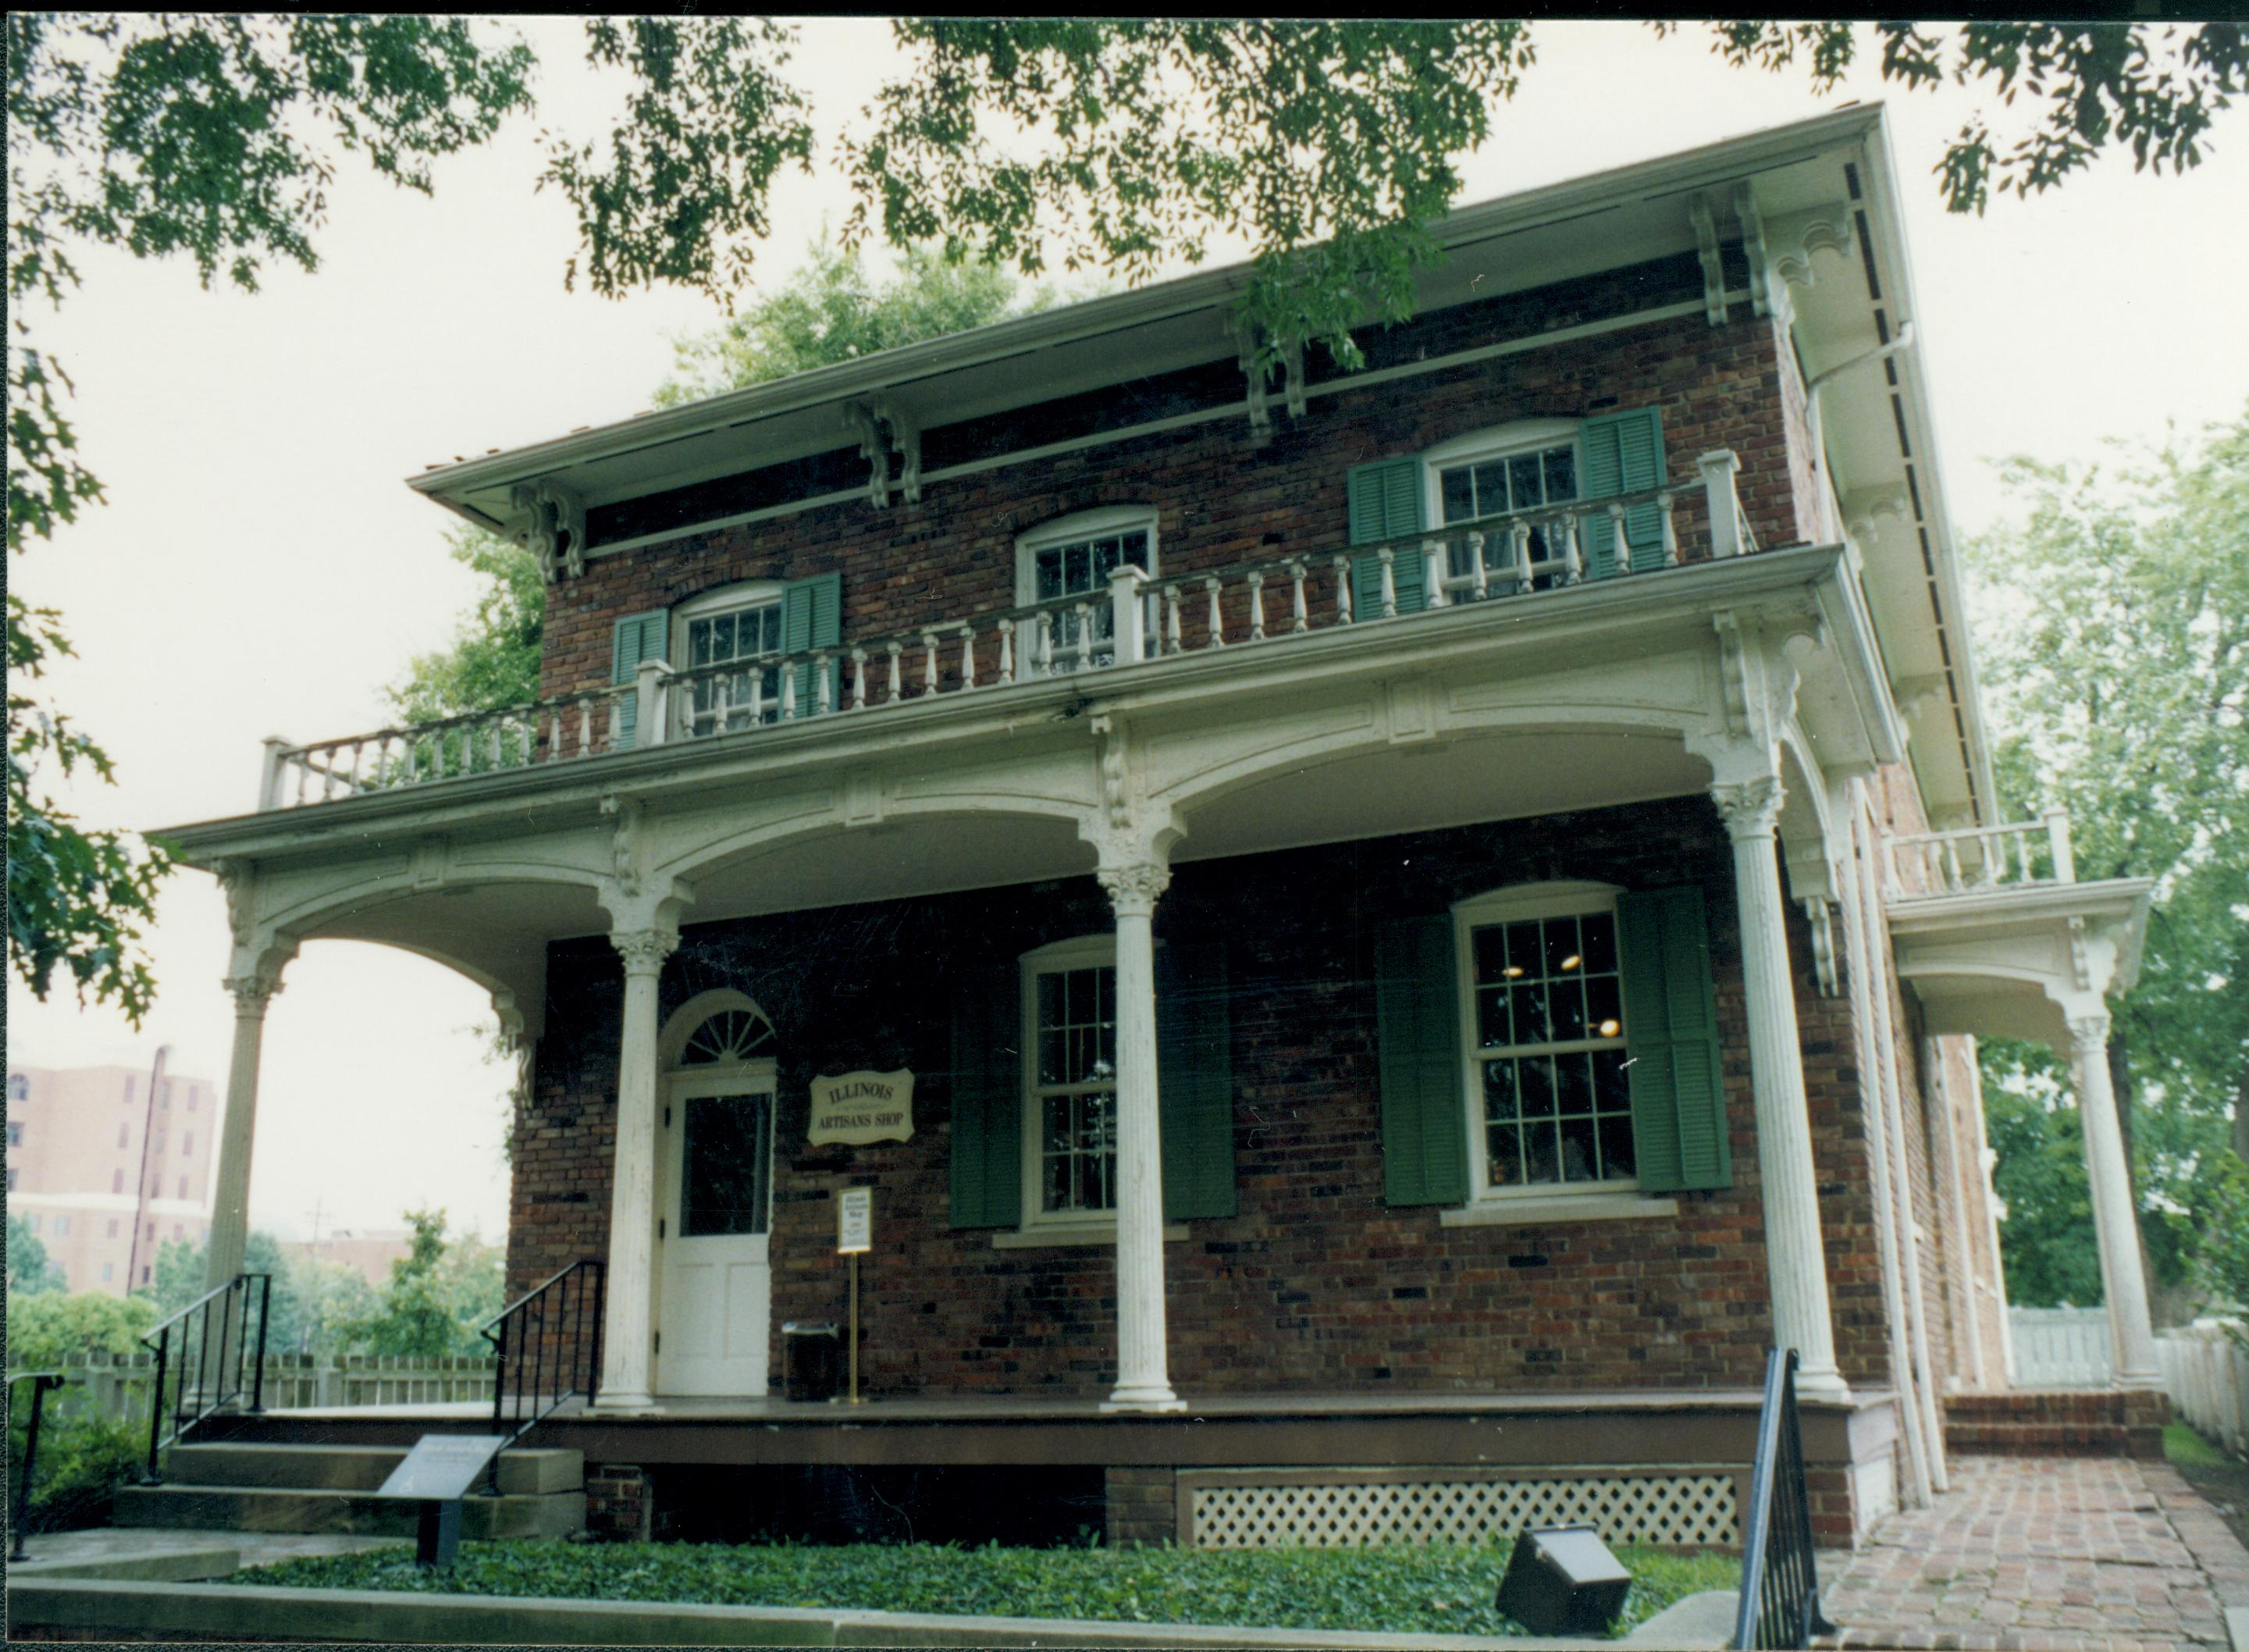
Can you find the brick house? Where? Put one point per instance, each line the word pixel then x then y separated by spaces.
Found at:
pixel 1391 931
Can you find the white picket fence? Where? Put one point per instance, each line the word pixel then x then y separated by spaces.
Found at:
pixel 117 1386
pixel 2205 1370
pixel 2206 1373
pixel 2060 1347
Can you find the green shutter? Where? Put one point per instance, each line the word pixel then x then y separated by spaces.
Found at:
pixel 1623 453
pixel 1671 1038
pixel 1386 502
pixel 988 1098
pixel 1417 1021
pixel 1194 1080
pixel 812 616
pixel 637 637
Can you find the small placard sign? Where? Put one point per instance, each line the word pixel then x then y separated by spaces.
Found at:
pixel 860 1107
pixel 441 1466
pixel 855 1221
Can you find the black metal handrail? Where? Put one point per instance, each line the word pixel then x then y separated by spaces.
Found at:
pixel 554 1329
pixel 1780 1579
pixel 213 1388
pixel 43 1384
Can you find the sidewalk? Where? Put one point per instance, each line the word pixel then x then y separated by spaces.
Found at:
pixel 2048 1554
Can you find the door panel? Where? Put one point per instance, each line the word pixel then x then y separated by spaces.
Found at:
pixel 717 1295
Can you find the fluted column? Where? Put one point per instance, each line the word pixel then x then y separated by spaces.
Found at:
pixel 625 1352
pixel 1796 1262
pixel 1143 1358
pixel 229 1230
pixel 2115 1225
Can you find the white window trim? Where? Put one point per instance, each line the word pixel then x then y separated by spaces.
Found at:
pixel 1083 1227
pixel 1545 1201
pixel 1082 525
pixel 723 599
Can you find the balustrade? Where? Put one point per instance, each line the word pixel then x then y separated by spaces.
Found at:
pixel 1140 618
pixel 1979 857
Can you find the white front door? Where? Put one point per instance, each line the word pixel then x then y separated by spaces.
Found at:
pixel 717 1198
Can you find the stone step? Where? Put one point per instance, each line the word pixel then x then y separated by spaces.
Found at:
pixel 231 1508
pixel 333 1467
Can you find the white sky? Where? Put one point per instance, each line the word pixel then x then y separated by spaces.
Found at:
pixel 261 569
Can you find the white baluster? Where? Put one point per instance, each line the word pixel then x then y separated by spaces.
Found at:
pixel 1341 565
pixel 1573 562
pixel 586 726
pixel 2057 833
pixel 1389 582
pixel 757 698
pixel 788 693
pixel 1172 643
pixel 1008 651
pixel 1518 535
pixel 1663 504
pixel 929 662
pixel 967 656
pixel 1433 571
pixel 1216 621
pixel 1256 606
pixel 1085 612
pixel 554 732
pixel 1479 575
pixel 1728 530
pixel 897 671
pixel 494 743
pixel 359 756
pixel 1620 552
pixel 328 774
pixel 1300 617
pixel 1954 880
pixel 304 777
pixel 824 685
pixel 1044 665
pixel 859 679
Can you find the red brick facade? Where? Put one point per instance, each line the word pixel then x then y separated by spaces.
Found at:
pixel 1317 1283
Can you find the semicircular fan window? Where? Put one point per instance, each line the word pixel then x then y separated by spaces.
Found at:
pixel 730 1036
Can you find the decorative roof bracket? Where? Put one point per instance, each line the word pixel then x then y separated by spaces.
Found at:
pixel 1258 379
pixel 550 523
pixel 882 429
pixel 1714 269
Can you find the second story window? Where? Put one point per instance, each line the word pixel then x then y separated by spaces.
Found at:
pixel 1516 468
pixel 742 627
pixel 1075 557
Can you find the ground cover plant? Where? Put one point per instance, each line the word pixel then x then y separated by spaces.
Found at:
pixel 1440 1589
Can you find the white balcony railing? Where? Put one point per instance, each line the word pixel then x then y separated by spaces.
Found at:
pixel 1979 857
pixel 1136 620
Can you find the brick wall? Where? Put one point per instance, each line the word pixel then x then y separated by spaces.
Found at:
pixel 618 1505
pixel 1224 495
pixel 1142 1506
pixel 1315 1284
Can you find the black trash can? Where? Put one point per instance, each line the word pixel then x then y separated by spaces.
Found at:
pixel 811 1360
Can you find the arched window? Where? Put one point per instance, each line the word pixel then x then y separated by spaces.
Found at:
pixel 1522 466
pixel 1074 556
pixel 738 625
pixel 728 1037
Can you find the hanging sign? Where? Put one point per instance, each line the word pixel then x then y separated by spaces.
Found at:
pixel 862 1107
pixel 855 1221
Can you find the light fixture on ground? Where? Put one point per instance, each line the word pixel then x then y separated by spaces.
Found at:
pixel 1563 1581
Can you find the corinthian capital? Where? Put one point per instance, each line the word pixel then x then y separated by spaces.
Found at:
pixel 2088 1036
pixel 644 950
pixel 1750 807
pixel 1134 890
pixel 252 992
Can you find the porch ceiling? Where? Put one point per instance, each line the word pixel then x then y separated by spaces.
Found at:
pixel 2020 962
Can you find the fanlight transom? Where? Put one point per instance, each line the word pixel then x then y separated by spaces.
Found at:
pixel 730 1036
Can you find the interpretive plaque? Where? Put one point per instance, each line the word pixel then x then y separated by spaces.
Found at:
pixel 855 1221
pixel 437 1474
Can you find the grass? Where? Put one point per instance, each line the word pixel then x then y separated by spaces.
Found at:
pixel 2223 1481
pixel 1439 1589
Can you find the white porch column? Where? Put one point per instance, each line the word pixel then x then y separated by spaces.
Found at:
pixel 625 1354
pixel 1143 1371
pixel 1795 1259
pixel 253 987
pixel 2116 1225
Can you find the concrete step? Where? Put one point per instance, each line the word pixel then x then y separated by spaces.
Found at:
pixel 329 1468
pixel 232 1508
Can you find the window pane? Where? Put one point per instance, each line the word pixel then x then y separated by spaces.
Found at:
pixel 1561 468
pixel 723 1157
pixel 1617 1156
pixel 1611 1087
pixel 1538 1153
pixel 1491 1017
pixel 1490 954
pixel 1597 932
pixel 1574 1081
pixel 1105 556
pixel 1505 1148
pixel 1050 575
pixel 1499 1099
pixel 1567 1001
pixel 1523 481
pixel 1530 1013
pixel 1580 1155
pixel 1077 573
pixel 1535 1076
pixel 1491 487
pixel 698 642
pixel 1562 957
pixel 1458 493
pixel 1135 547
pixel 1522 951
pixel 1603 1010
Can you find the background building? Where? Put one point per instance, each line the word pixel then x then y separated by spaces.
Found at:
pixel 368 1252
pixel 105 1165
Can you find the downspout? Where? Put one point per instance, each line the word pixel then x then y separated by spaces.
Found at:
pixel 1886 1242
pixel 1893 1124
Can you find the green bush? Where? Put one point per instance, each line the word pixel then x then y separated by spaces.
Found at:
pixel 82 1462
pixel 43 1330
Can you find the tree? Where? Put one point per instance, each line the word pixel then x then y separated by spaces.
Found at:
pixel 2118 660
pixel 177 1280
pixel 30 1270
pixel 1329 145
pixel 437 1296
pixel 829 311
pixel 46 1330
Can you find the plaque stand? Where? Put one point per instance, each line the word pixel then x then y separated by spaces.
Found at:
pixel 857 1399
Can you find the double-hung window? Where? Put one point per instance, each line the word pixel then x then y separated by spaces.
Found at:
pixel 1075 557
pixel 739 628
pixel 1550 1096
pixel 1071 1059
pixel 1513 470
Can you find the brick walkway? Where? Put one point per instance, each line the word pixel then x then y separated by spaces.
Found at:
pixel 2045 1554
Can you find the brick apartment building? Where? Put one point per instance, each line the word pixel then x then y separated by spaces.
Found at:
pixel 1420 919
pixel 94 1152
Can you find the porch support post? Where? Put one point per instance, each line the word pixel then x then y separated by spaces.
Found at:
pixel 253 985
pixel 625 1352
pixel 1143 1360
pixel 1795 1258
pixel 2115 1227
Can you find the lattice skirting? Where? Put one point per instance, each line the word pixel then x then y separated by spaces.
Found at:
pixel 1250 1509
